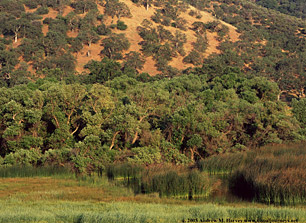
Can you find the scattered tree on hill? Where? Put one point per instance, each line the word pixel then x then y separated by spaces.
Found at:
pixel 134 60
pixel 194 57
pixel 201 43
pixel 115 8
pixel 145 3
pixel 82 6
pixel 114 45
pixel 179 40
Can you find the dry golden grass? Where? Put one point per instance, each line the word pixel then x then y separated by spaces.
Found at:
pixel 46 188
pixel 55 190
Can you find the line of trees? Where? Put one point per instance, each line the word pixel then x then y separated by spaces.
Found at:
pixel 125 116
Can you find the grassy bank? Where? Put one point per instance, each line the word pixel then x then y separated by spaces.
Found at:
pixel 46 199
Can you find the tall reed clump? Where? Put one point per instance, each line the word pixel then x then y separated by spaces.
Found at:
pixel 30 171
pixel 125 172
pixel 222 164
pixel 275 176
pixel 172 183
pixel 166 180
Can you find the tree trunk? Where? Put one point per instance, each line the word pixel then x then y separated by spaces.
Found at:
pixel 135 137
pixel 192 153
pixel 16 37
pixel 113 140
pixel 279 95
pixel 56 121
pixel 76 129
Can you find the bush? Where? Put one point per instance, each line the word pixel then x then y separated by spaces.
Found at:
pixel 194 57
pixel 42 10
pixel 47 21
pixel 23 157
pixel 121 25
pixel 31 4
pixel 145 155
pixel 103 30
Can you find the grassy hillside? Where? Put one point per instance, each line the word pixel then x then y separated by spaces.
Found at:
pixel 138 14
pixel 167 38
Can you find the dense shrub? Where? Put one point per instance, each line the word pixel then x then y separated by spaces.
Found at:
pixel 42 10
pixel 121 25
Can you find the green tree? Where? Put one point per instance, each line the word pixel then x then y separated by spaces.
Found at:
pixel 115 8
pixel 299 111
pixel 62 108
pixel 114 45
pixel 54 43
pixel 134 60
pixel 100 72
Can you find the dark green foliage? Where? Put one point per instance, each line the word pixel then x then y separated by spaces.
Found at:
pixel 65 62
pixel 100 72
pixel 115 8
pixel 88 36
pixel 299 110
pixel 31 4
pixel 114 45
pixel 292 7
pixel 201 43
pixel 211 109
pixel 14 7
pixel 121 25
pixel 103 30
pixel 194 57
pixel 134 61
pixel 82 6
pixel 58 25
pixel 42 11
pixel 258 24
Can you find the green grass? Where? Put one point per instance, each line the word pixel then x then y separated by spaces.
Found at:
pixel 19 211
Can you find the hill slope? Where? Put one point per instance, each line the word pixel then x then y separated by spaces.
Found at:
pixel 138 14
pixel 163 38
